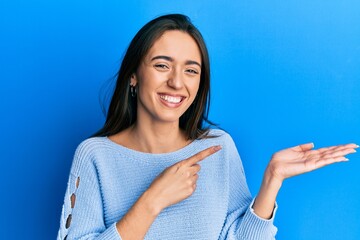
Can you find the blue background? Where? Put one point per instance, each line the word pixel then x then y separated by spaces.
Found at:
pixel 283 73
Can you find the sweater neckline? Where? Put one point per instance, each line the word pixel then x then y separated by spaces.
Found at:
pixel 132 152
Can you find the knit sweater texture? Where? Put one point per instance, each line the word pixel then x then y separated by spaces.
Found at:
pixel 106 179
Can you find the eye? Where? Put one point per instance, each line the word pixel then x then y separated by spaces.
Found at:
pixel 192 71
pixel 161 66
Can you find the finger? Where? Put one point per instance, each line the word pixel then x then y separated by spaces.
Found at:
pixel 190 171
pixel 315 154
pixel 303 147
pixel 201 155
pixel 349 145
pixel 195 168
pixel 327 161
pixel 326 150
pixel 194 178
pixel 341 146
pixel 338 153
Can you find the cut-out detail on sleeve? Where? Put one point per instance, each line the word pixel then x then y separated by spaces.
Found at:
pixel 72 200
pixel 68 221
pixel 72 203
pixel 77 182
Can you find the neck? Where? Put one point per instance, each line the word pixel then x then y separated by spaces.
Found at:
pixel 157 137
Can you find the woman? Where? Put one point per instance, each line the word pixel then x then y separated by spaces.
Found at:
pixel 139 176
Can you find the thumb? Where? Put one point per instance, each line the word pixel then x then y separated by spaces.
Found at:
pixel 304 147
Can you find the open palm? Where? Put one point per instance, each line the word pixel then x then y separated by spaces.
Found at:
pixel 302 158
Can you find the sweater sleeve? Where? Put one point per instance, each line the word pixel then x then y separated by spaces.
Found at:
pixel 82 211
pixel 241 222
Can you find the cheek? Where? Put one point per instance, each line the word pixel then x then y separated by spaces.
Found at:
pixel 194 88
pixel 148 84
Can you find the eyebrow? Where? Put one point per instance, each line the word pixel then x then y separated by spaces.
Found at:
pixel 170 59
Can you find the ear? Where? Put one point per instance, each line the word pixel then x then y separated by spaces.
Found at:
pixel 133 80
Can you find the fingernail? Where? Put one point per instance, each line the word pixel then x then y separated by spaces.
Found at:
pixel 346 160
pixel 217 148
pixel 356 146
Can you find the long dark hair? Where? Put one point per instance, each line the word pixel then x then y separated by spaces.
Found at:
pixel 122 110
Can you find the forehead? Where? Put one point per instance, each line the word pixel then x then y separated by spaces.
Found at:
pixel 176 44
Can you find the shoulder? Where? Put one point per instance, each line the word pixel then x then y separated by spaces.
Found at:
pixel 86 151
pixel 225 140
pixel 220 135
pixel 90 146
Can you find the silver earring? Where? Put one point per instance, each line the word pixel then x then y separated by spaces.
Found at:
pixel 133 91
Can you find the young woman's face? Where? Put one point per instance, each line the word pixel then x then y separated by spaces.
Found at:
pixel 168 78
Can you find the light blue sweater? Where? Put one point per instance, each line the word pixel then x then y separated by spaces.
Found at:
pixel 106 179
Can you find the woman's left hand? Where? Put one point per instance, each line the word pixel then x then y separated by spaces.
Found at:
pixel 291 162
pixel 300 159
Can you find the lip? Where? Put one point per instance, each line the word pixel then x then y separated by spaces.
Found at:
pixel 168 104
pixel 171 94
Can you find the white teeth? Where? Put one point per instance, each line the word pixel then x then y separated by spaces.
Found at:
pixel 171 99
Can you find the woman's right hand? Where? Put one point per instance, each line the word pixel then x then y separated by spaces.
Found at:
pixel 178 181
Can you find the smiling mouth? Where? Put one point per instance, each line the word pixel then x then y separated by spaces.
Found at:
pixel 171 99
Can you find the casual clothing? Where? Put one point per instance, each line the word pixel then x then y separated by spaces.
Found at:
pixel 106 179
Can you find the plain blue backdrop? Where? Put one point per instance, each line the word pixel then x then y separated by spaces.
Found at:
pixel 283 73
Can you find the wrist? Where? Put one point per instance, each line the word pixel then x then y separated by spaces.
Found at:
pixel 270 186
pixel 149 203
pixel 271 179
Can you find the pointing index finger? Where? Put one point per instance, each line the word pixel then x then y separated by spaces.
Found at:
pixel 202 155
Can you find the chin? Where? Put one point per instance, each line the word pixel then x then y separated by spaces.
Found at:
pixel 170 117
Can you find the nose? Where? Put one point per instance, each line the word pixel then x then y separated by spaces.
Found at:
pixel 175 80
